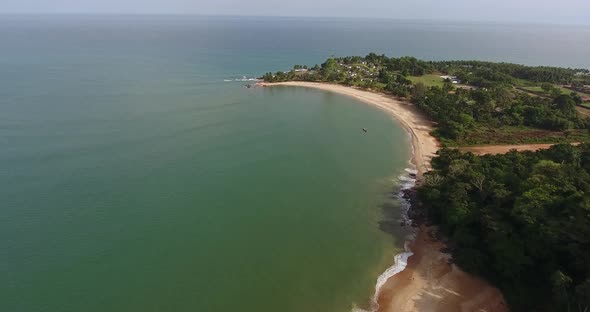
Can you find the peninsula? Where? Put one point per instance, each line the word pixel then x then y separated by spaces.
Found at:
pixel 515 221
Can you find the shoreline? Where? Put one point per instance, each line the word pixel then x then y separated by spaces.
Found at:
pixel 414 122
pixel 427 282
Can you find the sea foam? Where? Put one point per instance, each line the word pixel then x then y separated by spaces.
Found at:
pixel 243 79
pixel 400 261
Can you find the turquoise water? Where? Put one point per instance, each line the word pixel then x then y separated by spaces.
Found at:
pixel 133 178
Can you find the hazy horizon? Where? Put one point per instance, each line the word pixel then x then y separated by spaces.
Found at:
pixel 294 17
pixel 571 12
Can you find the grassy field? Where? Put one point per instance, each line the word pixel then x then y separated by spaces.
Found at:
pixel 523 83
pixel 540 90
pixel 533 89
pixel 587 104
pixel 563 90
pixel 428 80
pixel 568 91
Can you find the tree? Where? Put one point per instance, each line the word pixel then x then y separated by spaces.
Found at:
pixel 418 93
pixel 520 219
pixel 547 87
pixel 329 70
pixel 561 284
pixel 566 105
pixel 582 296
pixel 576 98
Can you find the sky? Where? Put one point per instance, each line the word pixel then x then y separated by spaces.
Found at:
pixel 538 11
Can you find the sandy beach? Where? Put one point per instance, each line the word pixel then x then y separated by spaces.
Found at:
pixel 429 282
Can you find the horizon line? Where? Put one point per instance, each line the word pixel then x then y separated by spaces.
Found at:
pixel 376 18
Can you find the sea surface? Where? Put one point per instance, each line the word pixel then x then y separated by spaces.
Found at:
pixel 138 174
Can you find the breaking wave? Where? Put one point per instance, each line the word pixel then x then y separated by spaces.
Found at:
pixel 400 261
pixel 243 79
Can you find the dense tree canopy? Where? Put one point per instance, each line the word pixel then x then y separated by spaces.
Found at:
pixel 459 112
pixel 504 72
pixel 520 219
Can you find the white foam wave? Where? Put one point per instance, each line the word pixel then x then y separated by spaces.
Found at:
pixel 399 264
pixel 243 79
pixel 406 179
pixel 411 171
pixel 400 261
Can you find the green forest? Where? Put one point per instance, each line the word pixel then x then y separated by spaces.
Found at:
pixel 478 102
pixel 522 220
pixel 464 117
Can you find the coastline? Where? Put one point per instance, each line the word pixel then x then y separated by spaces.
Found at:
pixel 426 281
pixel 415 123
pixel 431 283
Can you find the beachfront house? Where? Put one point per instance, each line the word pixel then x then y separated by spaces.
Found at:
pixel 453 79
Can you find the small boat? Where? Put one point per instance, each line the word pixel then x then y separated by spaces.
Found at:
pixel 365 130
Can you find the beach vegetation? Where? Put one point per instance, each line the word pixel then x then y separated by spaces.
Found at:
pixel 522 220
pixel 484 116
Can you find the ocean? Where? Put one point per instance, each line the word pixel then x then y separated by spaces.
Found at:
pixel 138 174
